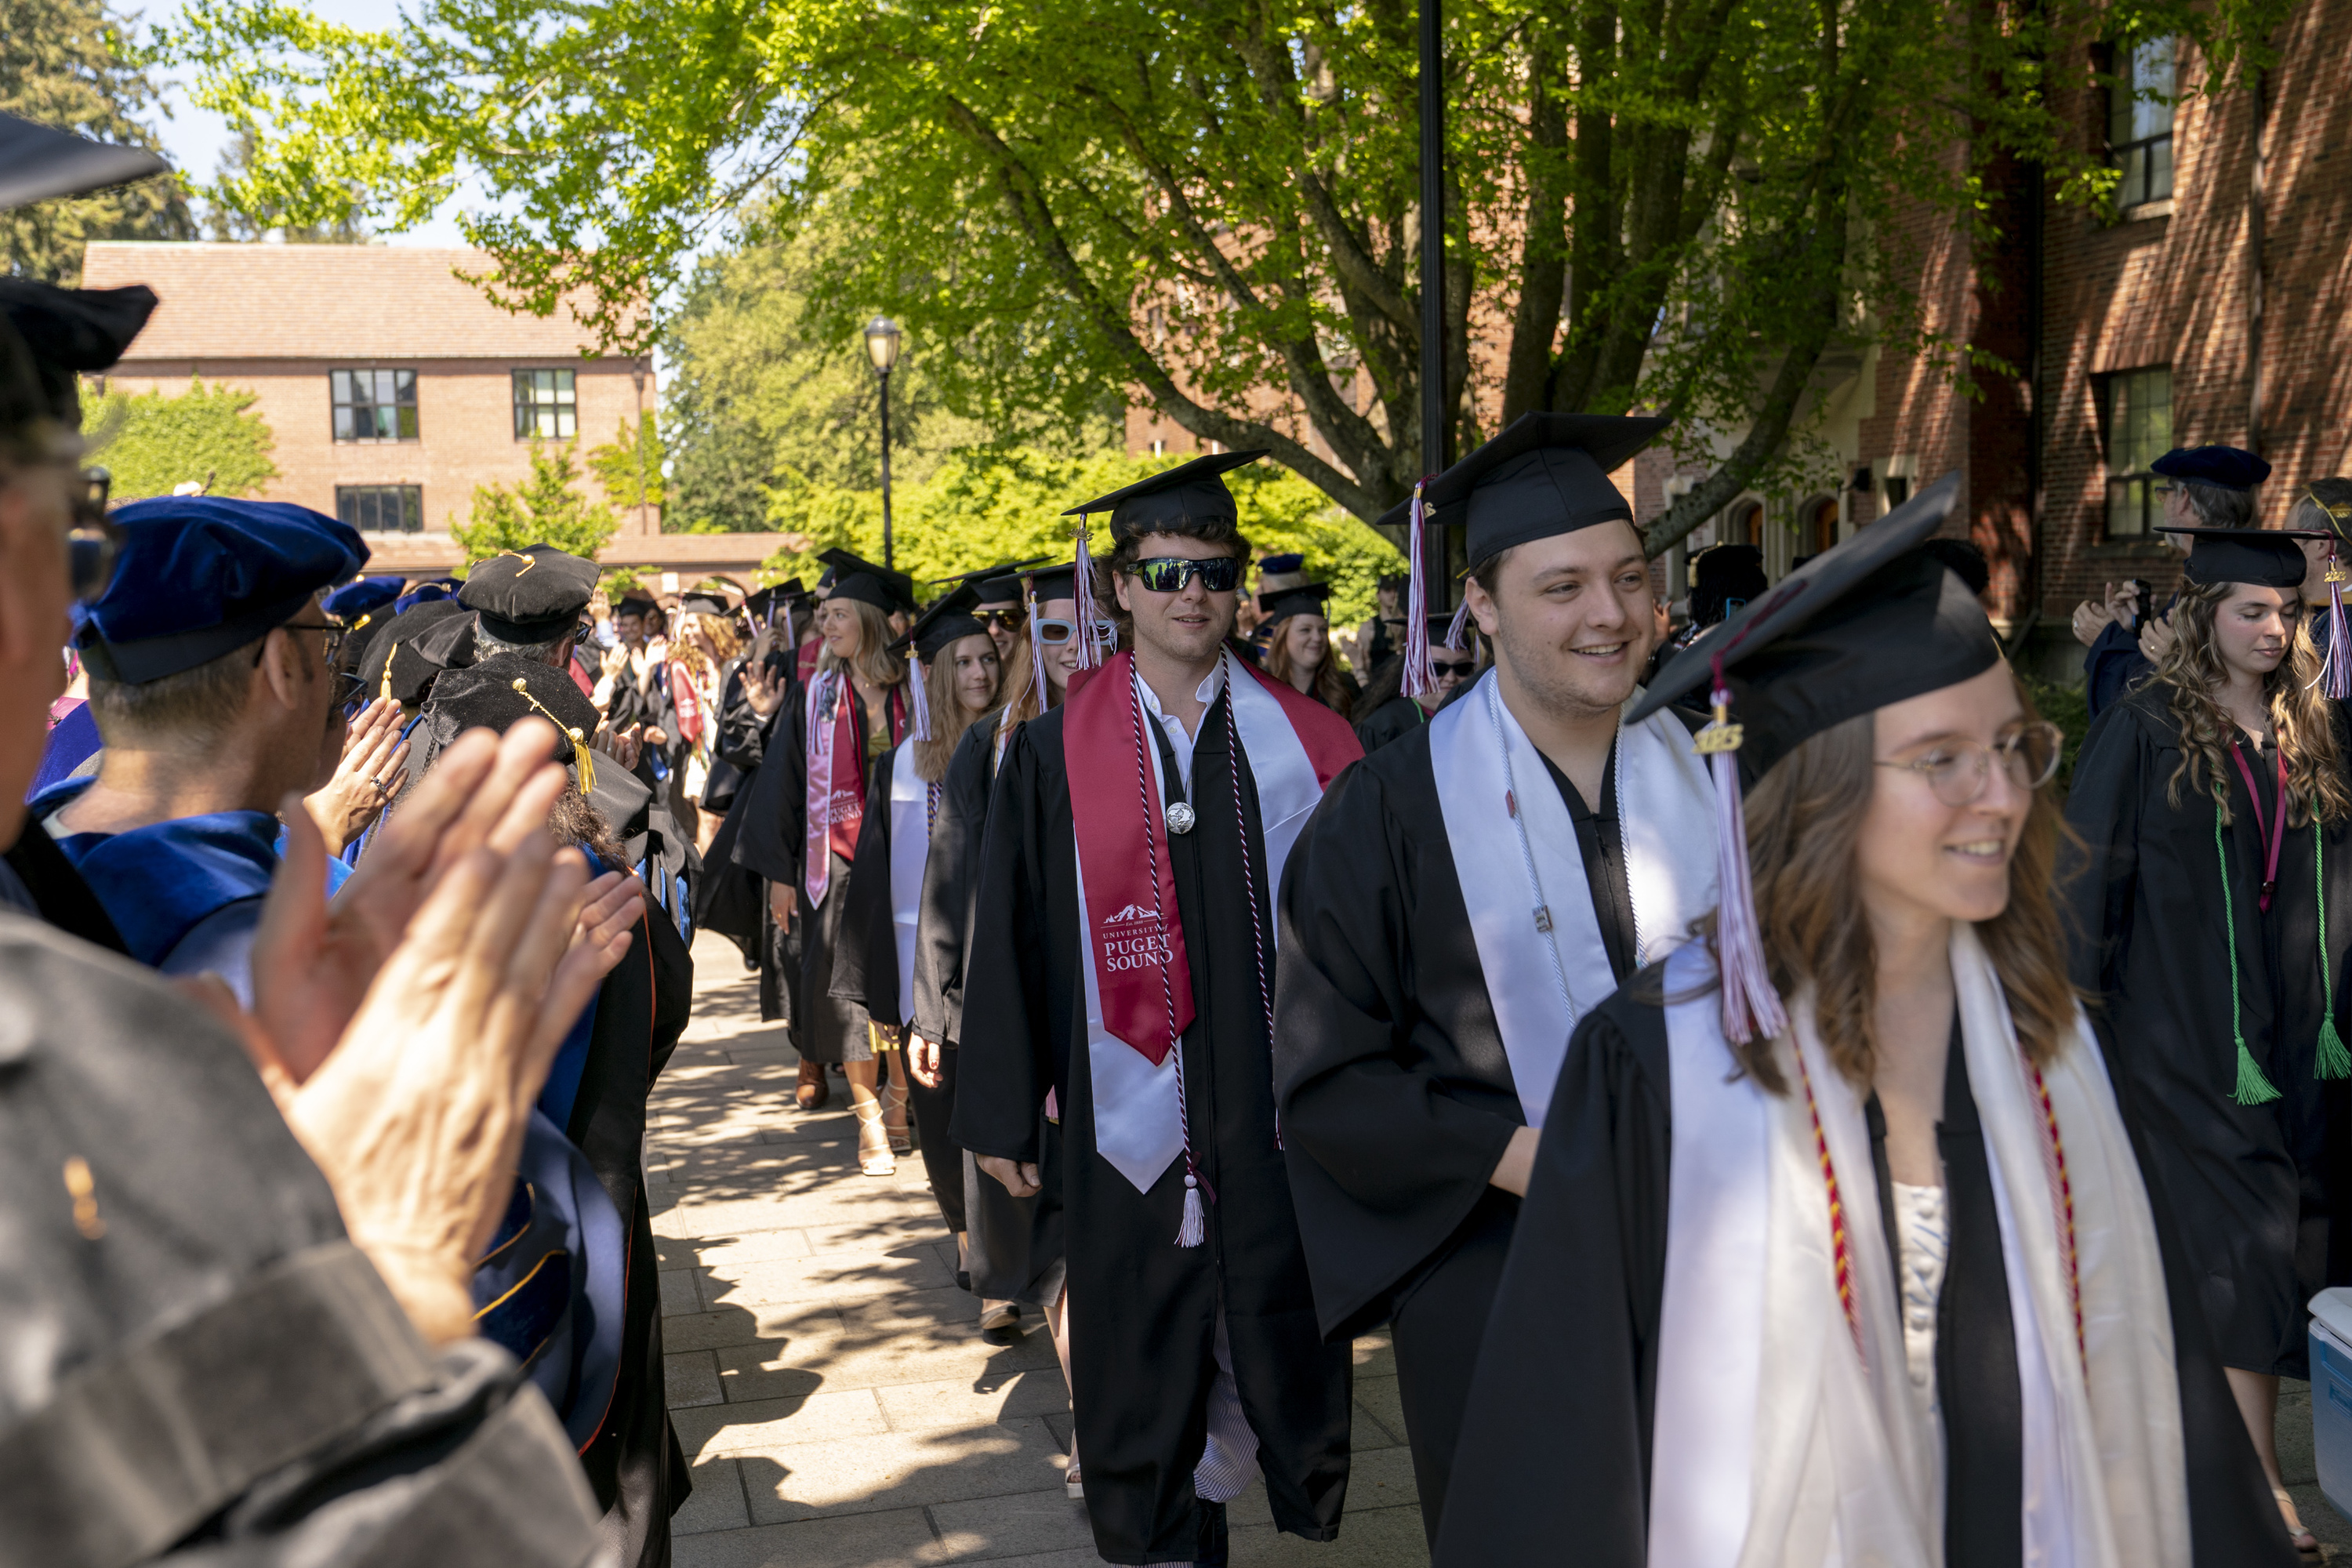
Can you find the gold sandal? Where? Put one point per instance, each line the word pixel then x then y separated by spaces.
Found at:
pixel 873 1161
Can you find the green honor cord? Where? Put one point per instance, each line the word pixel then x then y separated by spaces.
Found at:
pixel 2254 1089
pixel 2334 1061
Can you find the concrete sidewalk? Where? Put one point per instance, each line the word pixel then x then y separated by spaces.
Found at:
pixel 828 1380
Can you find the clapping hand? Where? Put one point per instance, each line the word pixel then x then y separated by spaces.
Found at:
pixel 365 779
pixel 621 746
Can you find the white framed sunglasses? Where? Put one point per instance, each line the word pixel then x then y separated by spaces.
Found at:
pixel 1052 631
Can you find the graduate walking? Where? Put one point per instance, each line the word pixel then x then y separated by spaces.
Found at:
pixel 1837 1248
pixel 2216 822
pixel 1124 967
pixel 1464 897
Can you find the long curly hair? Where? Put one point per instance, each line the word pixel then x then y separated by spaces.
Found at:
pixel 2191 671
pixel 873 663
pixel 1804 824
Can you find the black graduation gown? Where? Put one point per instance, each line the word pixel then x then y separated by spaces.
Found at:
pixel 2248 1184
pixel 1571 1350
pixel 634 1464
pixel 1397 1096
pixel 734 715
pixel 1012 1246
pixel 1143 1311
pixel 827 1027
pixel 1391 721
pixel 732 899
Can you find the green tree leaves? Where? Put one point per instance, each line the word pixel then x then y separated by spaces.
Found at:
pixel 151 443
pixel 546 507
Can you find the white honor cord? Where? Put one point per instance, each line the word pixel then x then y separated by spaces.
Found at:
pixel 1542 910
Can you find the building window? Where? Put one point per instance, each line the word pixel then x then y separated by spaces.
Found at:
pixel 2139 121
pixel 2138 417
pixel 382 509
pixel 546 407
pixel 373 404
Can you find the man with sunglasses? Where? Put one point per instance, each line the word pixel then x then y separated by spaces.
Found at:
pixel 212 679
pixel 1120 974
pixel 1467 895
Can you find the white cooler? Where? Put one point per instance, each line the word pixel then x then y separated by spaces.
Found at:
pixel 2331 1393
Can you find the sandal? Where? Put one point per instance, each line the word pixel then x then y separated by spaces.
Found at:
pixel 2306 1543
pixel 873 1161
pixel 812 1092
pixel 894 1099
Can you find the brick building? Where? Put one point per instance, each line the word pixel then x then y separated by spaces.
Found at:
pixel 392 387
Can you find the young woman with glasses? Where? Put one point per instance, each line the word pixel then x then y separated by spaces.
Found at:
pixel 2214 812
pixel 1837 1247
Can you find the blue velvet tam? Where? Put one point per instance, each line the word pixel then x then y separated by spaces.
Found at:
pixel 197 576
pixel 2229 467
pixel 364 597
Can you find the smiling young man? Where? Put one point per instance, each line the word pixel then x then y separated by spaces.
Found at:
pixel 1121 962
pixel 1464 897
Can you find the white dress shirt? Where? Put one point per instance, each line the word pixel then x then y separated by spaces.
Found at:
pixel 1178 737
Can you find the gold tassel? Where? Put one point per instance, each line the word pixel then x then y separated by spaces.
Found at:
pixel 582 753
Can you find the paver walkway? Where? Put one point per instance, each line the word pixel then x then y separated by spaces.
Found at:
pixel 828 1380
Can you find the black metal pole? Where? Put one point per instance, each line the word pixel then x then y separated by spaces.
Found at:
pixel 885 470
pixel 1433 242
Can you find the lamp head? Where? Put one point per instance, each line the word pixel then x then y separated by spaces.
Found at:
pixel 882 339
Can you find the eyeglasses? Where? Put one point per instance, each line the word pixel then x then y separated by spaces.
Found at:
pixel 92 538
pixel 1462 671
pixel 1054 632
pixel 1169 573
pixel 999 620
pixel 1957 770
pixel 329 645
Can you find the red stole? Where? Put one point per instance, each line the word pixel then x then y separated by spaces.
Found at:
pixel 836 777
pixel 1136 943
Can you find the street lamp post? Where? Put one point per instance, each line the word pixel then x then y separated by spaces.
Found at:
pixel 882 339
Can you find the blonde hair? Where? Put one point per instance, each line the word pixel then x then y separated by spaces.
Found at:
pixel 1804 826
pixel 949 717
pixel 2192 670
pixel 726 642
pixel 873 663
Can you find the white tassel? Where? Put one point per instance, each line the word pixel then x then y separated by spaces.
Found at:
pixel 1420 680
pixel 917 698
pixel 2336 674
pixel 1751 1008
pixel 1036 652
pixel 1459 627
pixel 1196 1228
pixel 1082 581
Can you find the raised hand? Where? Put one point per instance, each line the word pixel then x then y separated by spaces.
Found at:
pixel 368 776
pixel 762 689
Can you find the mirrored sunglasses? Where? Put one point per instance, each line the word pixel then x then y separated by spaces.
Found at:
pixel 1170 573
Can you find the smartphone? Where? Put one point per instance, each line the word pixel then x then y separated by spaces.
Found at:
pixel 2143 605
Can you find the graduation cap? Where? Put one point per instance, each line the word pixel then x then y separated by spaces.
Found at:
pixel 415 648
pixel 1871 621
pixel 1010 570
pixel 635 604
pixel 534 595
pixel 2227 468
pixel 945 620
pixel 70 330
pixel 37 163
pixel 196 576
pixel 1188 492
pixel 702 603
pixel 1278 572
pixel 2265 557
pixel 500 693
pixel 354 602
pixel 1306 598
pixel 1004 590
pixel 890 591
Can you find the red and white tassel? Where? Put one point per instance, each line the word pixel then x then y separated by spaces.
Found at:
pixel 1751 1008
pixel 2335 674
pixel 917 698
pixel 1459 627
pixel 1082 584
pixel 1420 680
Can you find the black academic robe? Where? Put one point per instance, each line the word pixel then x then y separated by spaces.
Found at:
pixel 772 844
pixel 1571 1350
pixel 733 716
pixel 1143 1310
pixel 1391 721
pixel 639 1474
pixel 732 900
pixel 2252 1186
pixel 1397 1095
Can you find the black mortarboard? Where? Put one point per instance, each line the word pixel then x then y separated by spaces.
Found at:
pixel 1964 558
pixel 1056 582
pixel 1440 632
pixel 1188 492
pixel 867 589
pixel 500 693
pixel 1870 621
pixel 1308 598
pixel 37 163
pixel 1001 591
pixel 2227 468
pixel 2265 557
pixel 949 610
pixel 405 658
pixel 1722 574
pixel 898 586
pixel 984 573
pixel 530 596
pixel 635 604
pixel 1548 474
pixel 700 603
pixel 70 331
pixel 766 604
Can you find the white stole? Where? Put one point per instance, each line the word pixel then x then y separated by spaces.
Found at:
pixel 1486 766
pixel 1775 1443
pixel 910 845
pixel 1138 1127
